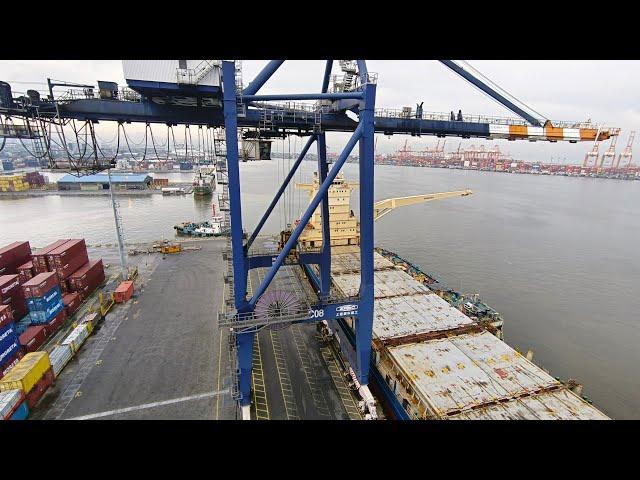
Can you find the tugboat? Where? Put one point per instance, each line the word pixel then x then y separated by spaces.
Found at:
pixel 213 228
pixel 204 181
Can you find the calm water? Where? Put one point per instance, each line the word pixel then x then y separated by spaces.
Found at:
pixel 557 256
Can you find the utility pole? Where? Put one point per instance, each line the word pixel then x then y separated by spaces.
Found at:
pixel 118 220
pixel 116 213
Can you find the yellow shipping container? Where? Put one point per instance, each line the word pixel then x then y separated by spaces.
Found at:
pixel 26 373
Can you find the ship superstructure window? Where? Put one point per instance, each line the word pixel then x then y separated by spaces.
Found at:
pixel 182 64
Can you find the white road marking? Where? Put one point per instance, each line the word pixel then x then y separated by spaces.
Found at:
pixel 150 405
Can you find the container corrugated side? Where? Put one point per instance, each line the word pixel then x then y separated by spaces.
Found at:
pixel 27 372
pixel 453 374
pixel 59 357
pixel 559 404
pixel 386 283
pixel 8 401
pixel 403 316
pixel 22 412
pixel 77 337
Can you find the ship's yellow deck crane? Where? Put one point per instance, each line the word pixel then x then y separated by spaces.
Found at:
pixel 343 224
pixel 381 208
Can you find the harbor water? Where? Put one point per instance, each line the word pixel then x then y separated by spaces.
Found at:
pixel 556 256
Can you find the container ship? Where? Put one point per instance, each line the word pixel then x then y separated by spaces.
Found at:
pixel 204 182
pixel 437 354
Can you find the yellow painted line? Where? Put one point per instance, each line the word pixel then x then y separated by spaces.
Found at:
pixel 257 376
pixel 220 357
pixel 341 386
pixel 283 377
pixel 316 393
pixel 219 375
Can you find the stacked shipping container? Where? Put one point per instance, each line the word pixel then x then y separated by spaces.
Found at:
pixel 86 279
pixel 66 259
pixel 33 375
pixel 39 291
pixel 441 364
pixel 13 183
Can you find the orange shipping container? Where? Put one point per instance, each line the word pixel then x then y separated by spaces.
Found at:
pixel 124 292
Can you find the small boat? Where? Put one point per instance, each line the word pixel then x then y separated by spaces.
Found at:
pixel 211 228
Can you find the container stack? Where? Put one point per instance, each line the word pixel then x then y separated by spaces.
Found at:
pixel 11 295
pixel 87 278
pixel 39 259
pixel 14 255
pixel 38 291
pixel 35 180
pixel 10 351
pixel 13 183
pixel 72 302
pixel 46 309
pixel 32 375
pixel 67 259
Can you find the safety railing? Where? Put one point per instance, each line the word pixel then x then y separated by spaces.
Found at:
pixel 191 76
pixel 251 321
pixel 411 114
pixel 123 94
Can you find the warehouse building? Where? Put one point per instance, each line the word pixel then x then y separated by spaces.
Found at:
pixel 100 181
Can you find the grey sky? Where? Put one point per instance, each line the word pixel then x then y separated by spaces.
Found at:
pixel 605 91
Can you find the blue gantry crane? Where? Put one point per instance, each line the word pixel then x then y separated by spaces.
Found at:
pixel 210 93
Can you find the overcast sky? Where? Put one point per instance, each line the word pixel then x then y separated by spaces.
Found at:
pixel 605 91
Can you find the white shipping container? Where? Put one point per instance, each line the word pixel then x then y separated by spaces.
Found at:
pixel 400 316
pixel 8 400
pixel 554 405
pixel 350 262
pixel 466 371
pixel 386 283
pixel 59 357
pixel 77 337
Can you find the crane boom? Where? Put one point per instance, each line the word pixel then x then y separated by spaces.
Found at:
pixel 383 207
pixel 475 78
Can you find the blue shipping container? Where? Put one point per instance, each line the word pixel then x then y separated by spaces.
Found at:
pixel 44 316
pixel 8 336
pixel 22 412
pixel 48 300
pixel 8 353
pixel 22 325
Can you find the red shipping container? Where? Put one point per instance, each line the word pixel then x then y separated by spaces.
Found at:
pixel 123 292
pixel 87 275
pixel 40 284
pixel 25 272
pixel 39 258
pixel 68 254
pixel 56 322
pixel 6 315
pixel 39 388
pixel 72 302
pixel 71 266
pixel 19 306
pixel 12 255
pixel 11 363
pixel 33 337
pixel 91 285
pixel 8 286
